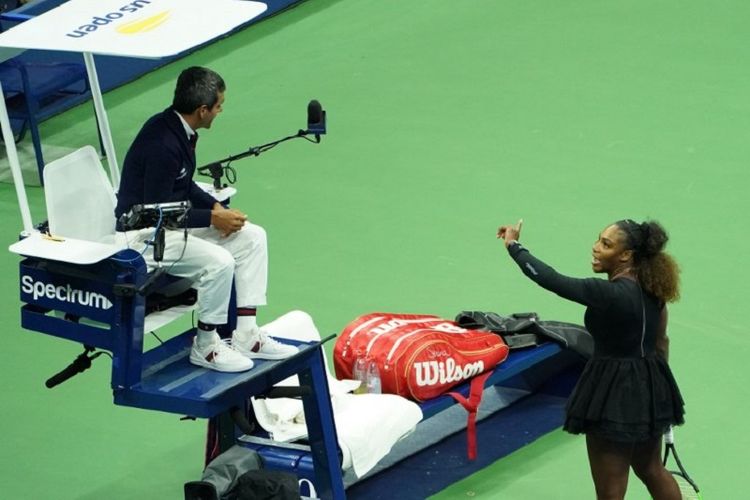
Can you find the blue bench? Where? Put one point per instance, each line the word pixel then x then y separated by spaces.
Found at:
pixel 537 380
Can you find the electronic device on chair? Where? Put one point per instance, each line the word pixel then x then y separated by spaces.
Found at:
pixel 160 216
pixel 171 215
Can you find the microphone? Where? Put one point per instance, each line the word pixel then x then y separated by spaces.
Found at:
pixel 80 364
pixel 316 119
pixel 314 112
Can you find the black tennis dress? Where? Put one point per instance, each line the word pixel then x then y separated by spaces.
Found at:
pixel 626 392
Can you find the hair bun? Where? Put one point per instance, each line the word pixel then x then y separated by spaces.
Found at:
pixel 645 230
pixel 654 238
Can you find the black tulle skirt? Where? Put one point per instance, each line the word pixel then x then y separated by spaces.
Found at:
pixel 624 399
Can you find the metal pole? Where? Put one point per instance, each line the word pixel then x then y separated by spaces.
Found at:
pixel 15 165
pixel 101 114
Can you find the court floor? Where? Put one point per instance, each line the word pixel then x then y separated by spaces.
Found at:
pixel 445 120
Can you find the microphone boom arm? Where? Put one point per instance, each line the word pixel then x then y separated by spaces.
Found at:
pixel 216 169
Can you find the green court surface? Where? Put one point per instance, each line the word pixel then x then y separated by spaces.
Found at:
pixel 446 119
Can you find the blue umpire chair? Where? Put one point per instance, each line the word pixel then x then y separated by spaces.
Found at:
pixel 80 282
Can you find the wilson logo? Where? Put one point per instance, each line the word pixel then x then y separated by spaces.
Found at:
pixel 64 293
pixel 445 372
pixel 128 28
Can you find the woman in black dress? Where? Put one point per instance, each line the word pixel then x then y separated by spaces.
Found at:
pixel 626 397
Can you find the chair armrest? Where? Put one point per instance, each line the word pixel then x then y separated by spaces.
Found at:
pixel 68 250
pixel 221 195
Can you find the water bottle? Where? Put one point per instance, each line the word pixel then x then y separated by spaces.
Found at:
pixel 373 378
pixel 360 373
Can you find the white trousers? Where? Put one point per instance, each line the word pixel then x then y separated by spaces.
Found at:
pixel 212 261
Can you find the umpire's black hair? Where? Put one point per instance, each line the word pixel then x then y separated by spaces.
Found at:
pixel 197 86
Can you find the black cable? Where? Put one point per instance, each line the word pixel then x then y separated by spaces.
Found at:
pixel 231 179
pixel 146 243
pixel 184 245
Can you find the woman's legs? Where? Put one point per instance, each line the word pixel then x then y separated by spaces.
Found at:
pixel 610 466
pixel 647 466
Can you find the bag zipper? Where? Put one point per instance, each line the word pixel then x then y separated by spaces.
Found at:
pixel 404 337
pixel 356 331
pixel 401 339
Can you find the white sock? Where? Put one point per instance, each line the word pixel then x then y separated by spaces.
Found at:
pixel 241 336
pixel 206 338
pixel 247 323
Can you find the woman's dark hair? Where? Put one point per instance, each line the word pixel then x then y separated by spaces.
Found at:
pixel 657 271
pixel 197 86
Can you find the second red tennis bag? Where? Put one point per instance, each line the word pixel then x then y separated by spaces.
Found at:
pixel 419 356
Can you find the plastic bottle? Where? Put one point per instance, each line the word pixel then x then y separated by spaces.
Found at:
pixel 373 378
pixel 360 373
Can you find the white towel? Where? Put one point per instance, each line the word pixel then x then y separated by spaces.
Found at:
pixel 370 424
pixel 367 425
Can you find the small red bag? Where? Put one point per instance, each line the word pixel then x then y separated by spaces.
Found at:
pixel 419 356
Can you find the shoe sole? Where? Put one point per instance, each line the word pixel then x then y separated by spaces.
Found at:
pixel 211 366
pixel 256 355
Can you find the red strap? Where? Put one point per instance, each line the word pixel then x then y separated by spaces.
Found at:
pixel 212 440
pixel 476 389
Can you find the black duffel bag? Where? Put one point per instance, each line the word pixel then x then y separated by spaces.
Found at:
pixel 238 474
pixel 521 330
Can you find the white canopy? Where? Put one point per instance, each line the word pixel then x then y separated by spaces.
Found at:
pixel 135 28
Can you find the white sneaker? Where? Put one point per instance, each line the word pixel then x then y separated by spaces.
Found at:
pixel 219 356
pixel 258 344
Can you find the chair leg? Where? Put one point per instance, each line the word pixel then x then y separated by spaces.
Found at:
pixel 36 140
pixel 22 133
pixel 32 107
pixel 32 104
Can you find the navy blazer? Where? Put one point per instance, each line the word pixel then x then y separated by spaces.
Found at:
pixel 159 168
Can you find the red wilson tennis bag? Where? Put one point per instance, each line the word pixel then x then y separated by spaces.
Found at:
pixel 419 356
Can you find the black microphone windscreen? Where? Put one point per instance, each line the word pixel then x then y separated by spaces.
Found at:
pixel 314 112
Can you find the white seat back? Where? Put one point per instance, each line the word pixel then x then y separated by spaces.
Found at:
pixel 80 199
